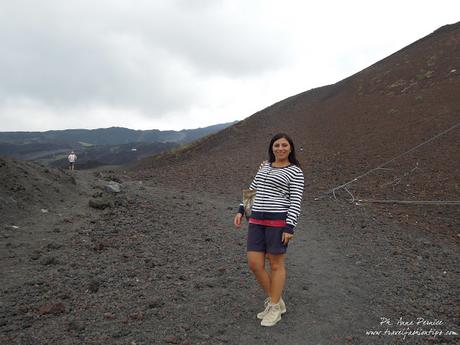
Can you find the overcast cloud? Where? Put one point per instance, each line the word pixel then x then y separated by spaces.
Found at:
pixel 184 64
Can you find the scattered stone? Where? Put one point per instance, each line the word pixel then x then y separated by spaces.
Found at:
pixel 101 203
pixel 137 316
pixel 49 260
pixel 53 246
pixel 35 255
pixel 121 333
pixel 51 308
pixel 93 285
pixel 113 187
pixel 28 320
pixel 64 295
pixel 172 339
pixel 155 302
pixel 99 246
pixel 184 327
pixel 223 338
pixel 74 325
pixel 204 336
pixel 109 316
pixel 44 210
pixel 23 308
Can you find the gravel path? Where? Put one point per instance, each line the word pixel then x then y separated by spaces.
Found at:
pixel 166 266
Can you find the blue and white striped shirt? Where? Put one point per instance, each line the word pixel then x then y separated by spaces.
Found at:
pixel 279 194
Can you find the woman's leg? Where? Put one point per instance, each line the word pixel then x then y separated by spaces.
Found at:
pixel 256 262
pixel 278 276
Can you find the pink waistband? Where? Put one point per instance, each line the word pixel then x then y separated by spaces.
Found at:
pixel 277 223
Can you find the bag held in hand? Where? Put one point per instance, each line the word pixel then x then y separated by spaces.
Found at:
pixel 248 200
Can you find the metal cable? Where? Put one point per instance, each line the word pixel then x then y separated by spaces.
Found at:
pixel 415 202
pixel 387 162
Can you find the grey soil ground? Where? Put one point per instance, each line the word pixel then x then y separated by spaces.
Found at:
pixel 166 265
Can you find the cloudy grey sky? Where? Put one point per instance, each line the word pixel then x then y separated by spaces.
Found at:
pixel 174 64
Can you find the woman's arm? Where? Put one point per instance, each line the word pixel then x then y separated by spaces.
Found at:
pixel 296 185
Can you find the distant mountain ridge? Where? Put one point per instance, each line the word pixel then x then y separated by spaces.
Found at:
pixel 109 136
pixel 95 147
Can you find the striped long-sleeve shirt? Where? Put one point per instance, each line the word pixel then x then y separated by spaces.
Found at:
pixel 279 194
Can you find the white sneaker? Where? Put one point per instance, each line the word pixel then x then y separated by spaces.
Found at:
pixel 273 315
pixel 266 305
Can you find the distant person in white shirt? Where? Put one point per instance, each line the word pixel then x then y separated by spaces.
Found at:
pixel 72 158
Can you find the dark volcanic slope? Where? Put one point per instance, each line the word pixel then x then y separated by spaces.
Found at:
pixel 28 187
pixel 347 129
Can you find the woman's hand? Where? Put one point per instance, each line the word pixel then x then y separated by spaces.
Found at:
pixel 237 220
pixel 262 164
pixel 286 237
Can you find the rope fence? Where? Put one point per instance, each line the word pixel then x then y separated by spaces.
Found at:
pixel 381 167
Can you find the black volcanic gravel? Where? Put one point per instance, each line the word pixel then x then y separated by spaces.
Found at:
pixel 165 265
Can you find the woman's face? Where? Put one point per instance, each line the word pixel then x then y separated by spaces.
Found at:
pixel 281 149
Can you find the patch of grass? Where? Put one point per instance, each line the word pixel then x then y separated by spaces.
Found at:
pixel 424 75
pixel 400 82
pixel 428 74
pixel 392 111
pixel 431 61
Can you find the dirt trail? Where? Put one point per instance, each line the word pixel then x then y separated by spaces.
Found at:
pixel 166 266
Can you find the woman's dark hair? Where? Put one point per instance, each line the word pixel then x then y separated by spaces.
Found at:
pixel 292 158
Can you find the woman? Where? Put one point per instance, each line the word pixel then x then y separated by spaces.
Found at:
pixel 279 187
